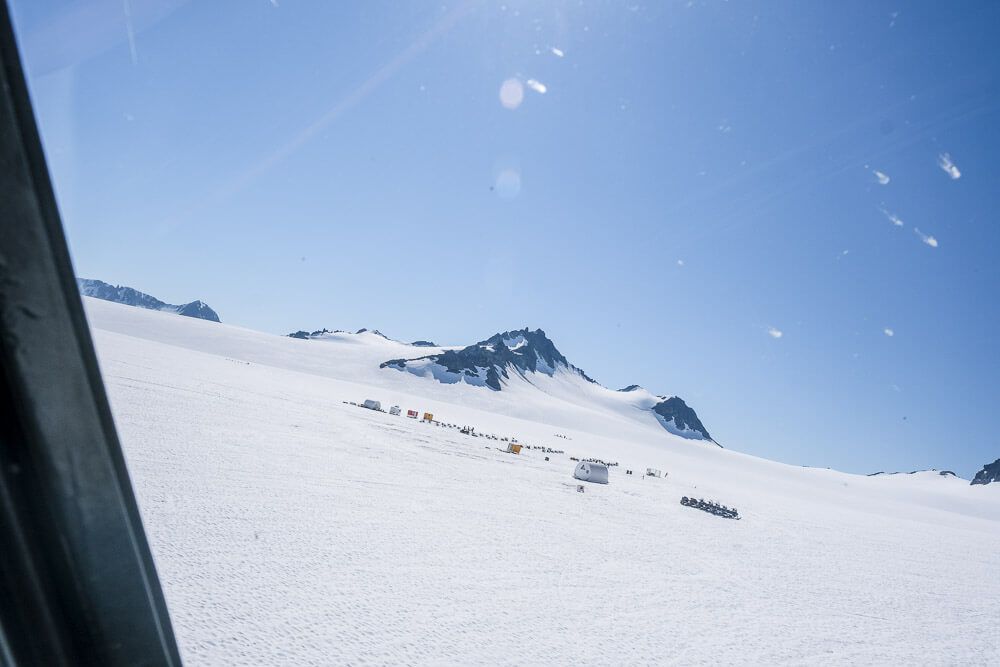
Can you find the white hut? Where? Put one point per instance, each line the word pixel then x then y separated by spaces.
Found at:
pixel 591 472
pixel 394 410
pixel 653 472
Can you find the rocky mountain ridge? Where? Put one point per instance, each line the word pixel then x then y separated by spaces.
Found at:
pixel 99 289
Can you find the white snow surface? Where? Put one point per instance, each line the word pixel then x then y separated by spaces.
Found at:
pixel 290 528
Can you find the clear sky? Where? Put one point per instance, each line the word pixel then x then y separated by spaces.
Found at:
pixel 783 212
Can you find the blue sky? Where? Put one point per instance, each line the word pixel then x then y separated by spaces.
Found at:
pixel 696 179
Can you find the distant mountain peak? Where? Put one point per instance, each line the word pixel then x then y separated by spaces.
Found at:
pixel 306 335
pixel 989 474
pixel 496 360
pixel 372 331
pixel 128 296
pixel 198 309
pixel 678 418
pixel 942 473
pixel 491 362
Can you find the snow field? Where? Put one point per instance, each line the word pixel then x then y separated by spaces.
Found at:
pixel 290 528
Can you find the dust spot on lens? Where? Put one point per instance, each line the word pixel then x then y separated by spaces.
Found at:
pixel 511 93
pixel 508 184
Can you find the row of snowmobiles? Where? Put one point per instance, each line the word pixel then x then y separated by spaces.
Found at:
pixel 711 507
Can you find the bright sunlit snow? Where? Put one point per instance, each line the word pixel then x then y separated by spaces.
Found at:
pixel 289 527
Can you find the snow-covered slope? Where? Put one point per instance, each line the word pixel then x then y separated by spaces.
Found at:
pixel 523 356
pixel 493 362
pixel 563 398
pixel 291 528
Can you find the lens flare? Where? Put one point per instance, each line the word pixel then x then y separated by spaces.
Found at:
pixel 511 94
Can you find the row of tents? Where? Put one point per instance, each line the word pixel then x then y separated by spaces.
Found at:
pixel 395 410
pixel 587 470
pixel 428 417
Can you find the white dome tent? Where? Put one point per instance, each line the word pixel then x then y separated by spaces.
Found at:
pixel 591 472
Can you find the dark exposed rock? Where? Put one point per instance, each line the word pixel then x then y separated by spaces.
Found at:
pixel 423 343
pixel 374 331
pixel 306 335
pixel 989 474
pixel 943 473
pixel 683 417
pixel 521 351
pixel 132 297
pixel 198 309
pixel 524 352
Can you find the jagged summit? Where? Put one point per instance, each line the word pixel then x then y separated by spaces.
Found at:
pixel 133 297
pixel 503 357
pixel 491 362
pixel 511 358
pixel 989 474
pixel 678 418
